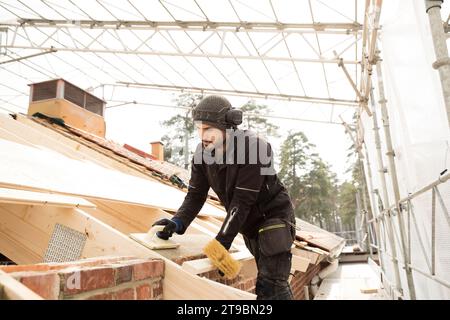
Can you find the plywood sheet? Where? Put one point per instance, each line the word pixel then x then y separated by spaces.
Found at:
pixel 318 237
pixel 25 167
pixel 29 228
pixel 191 245
pixel 42 199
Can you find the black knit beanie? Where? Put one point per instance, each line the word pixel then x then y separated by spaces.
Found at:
pixel 212 110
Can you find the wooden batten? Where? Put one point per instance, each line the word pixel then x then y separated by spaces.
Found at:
pixel 26 231
pixel 42 199
pixel 55 173
pixel 204 265
pixel 11 289
pixel 299 263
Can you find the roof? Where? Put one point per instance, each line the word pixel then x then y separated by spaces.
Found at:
pixel 319 237
pixel 164 172
pixel 275 49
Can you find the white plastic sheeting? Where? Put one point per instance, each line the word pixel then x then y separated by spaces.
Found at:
pixel 421 141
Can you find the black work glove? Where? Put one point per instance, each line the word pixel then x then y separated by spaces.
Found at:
pixel 169 229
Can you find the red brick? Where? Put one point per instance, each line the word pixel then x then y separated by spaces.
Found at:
pixel 157 290
pixel 148 269
pixel 123 274
pixel 102 296
pixel 248 284
pixel 44 284
pixel 144 292
pixel 89 279
pixel 125 294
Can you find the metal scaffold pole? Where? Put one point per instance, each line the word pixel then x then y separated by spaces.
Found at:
pixel 375 212
pixel 365 207
pixel 442 63
pixel 387 216
pixel 394 179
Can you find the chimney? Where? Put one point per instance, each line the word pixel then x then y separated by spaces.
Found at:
pixel 157 150
pixel 76 107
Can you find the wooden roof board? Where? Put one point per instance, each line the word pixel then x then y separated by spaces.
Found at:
pixel 164 169
pixel 318 237
pixel 38 198
pixel 312 234
pixel 29 234
pixel 25 167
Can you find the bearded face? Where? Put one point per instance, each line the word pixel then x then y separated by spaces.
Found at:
pixel 212 138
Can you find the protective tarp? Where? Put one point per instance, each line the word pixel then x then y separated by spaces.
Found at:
pixel 420 134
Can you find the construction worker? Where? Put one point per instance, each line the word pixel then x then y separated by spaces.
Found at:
pixel 233 163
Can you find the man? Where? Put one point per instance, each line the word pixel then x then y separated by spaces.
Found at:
pixel 238 166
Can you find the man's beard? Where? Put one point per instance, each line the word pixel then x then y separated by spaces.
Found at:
pixel 214 149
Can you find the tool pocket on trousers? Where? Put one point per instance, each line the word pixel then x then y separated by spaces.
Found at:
pixel 274 237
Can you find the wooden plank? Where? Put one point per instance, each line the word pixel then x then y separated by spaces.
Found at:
pixel 21 242
pixel 318 237
pixel 346 289
pixel 42 199
pixel 148 241
pixel 353 257
pixel 19 166
pixel 204 265
pixel 126 218
pixel 41 135
pixel 26 131
pixel 313 257
pixel 133 219
pixel 14 290
pixel 191 245
pixel 249 269
pixel 103 240
pixel 299 263
pixel 129 218
pixel 73 146
pixel 4 134
pixel 369 290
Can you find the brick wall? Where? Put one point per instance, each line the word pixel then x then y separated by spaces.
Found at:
pixel 246 284
pixel 302 279
pixel 104 278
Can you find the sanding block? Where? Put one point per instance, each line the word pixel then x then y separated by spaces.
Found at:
pixel 152 241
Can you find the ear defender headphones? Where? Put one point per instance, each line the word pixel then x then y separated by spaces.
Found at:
pixel 233 117
pixel 217 110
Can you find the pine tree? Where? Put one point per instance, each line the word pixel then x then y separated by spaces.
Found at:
pixel 180 140
pixel 254 119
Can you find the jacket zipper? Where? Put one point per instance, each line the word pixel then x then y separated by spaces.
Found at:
pixel 232 214
pixel 275 226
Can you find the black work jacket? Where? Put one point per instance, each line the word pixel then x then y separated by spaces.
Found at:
pixel 249 195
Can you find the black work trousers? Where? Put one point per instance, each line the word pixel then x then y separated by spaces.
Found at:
pixel 273 273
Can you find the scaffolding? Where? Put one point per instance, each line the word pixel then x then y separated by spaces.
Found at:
pixel 394 230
